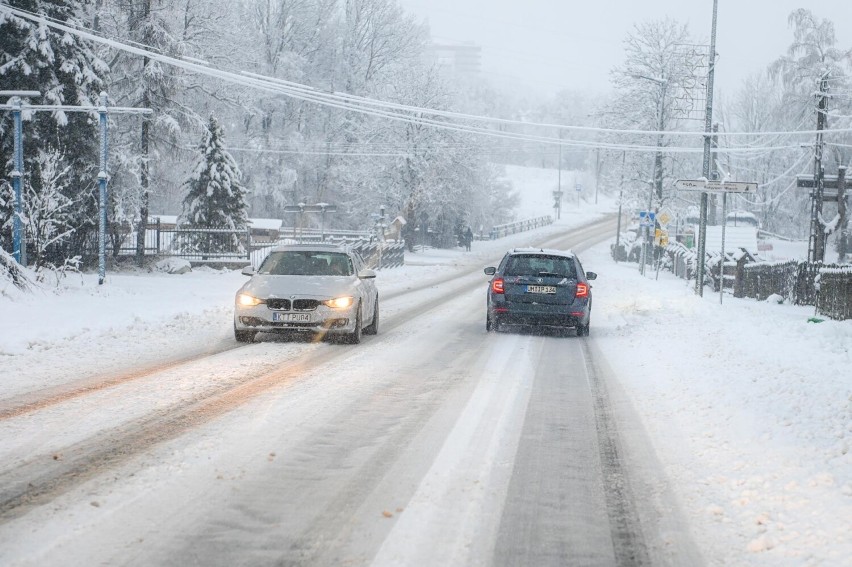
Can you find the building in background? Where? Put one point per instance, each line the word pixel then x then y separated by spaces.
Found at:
pixel 461 58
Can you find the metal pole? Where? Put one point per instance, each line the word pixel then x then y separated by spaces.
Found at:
pixel 559 189
pixel 722 265
pixel 102 191
pixel 620 198
pixel 708 124
pixel 18 244
pixel 597 172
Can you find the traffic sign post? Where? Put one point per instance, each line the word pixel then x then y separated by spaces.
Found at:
pixel 705 186
pixel 647 220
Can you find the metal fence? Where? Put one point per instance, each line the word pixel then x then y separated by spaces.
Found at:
pixel 227 246
pixel 502 230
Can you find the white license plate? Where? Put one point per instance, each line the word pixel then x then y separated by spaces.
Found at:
pixel 541 289
pixel 291 317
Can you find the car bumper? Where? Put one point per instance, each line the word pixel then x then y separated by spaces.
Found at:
pixel 320 320
pixel 541 315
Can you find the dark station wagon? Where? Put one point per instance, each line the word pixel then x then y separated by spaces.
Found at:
pixel 539 287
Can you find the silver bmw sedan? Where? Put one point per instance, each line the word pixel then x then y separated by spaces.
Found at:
pixel 317 288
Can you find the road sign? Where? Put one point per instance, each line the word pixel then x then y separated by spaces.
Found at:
pixel 664 217
pixel 716 186
pixel 579 187
pixel 647 218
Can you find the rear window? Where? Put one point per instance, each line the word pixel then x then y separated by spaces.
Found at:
pixel 306 263
pixel 539 265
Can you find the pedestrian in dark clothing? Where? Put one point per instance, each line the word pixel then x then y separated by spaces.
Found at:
pixel 468 238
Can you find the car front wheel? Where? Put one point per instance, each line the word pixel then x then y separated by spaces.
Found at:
pixel 373 328
pixel 354 337
pixel 244 336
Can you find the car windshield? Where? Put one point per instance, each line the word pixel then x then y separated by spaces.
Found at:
pixel 306 263
pixel 540 264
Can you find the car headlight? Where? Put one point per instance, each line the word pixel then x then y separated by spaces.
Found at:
pixel 340 302
pixel 246 300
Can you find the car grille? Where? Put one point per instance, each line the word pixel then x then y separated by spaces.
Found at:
pixel 278 304
pixel 305 304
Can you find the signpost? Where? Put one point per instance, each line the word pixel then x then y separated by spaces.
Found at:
pixel 723 188
pixel 647 220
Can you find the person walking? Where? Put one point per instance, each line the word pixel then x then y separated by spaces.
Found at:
pixel 468 238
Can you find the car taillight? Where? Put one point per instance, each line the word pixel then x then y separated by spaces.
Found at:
pixel 497 285
pixel 582 290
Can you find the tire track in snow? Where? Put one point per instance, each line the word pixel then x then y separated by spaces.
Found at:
pixel 42 477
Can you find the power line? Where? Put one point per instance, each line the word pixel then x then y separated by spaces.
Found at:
pixel 394 111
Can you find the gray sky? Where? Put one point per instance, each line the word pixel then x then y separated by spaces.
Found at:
pixel 554 44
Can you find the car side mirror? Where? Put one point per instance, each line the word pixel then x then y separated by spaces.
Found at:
pixel 490 271
pixel 591 276
pixel 366 274
pixel 248 271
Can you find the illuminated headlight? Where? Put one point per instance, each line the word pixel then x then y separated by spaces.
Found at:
pixel 340 302
pixel 246 300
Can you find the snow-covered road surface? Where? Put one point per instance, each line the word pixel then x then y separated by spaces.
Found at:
pixel 434 443
pixel 135 431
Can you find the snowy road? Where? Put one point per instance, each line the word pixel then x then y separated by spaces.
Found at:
pixel 434 443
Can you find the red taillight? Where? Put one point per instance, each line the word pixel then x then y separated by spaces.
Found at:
pixel 582 290
pixel 497 285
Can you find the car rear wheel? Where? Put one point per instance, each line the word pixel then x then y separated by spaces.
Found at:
pixel 489 326
pixel 244 336
pixel 583 330
pixel 373 328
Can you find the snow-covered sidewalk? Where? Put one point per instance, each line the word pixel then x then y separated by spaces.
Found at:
pixel 749 407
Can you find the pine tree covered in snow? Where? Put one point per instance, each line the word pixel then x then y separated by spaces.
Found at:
pixel 216 198
pixel 65 69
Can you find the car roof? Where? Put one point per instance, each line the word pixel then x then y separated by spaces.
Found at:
pixel 316 247
pixel 548 251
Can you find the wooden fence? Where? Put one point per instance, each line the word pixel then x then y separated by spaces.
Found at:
pixel 827 286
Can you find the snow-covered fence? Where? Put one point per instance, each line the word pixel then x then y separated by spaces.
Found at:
pixel 502 230
pixel 762 279
pixel 680 260
pixel 834 297
pixel 828 286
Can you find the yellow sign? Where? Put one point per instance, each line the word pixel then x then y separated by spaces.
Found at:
pixel 664 218
pixel 661 237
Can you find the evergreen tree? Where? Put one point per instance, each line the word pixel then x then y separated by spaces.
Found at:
pixel 66 71
pixel 216 198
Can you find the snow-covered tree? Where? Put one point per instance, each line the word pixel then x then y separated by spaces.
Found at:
pixel 656 87
pixel 216 198
pixel 67 71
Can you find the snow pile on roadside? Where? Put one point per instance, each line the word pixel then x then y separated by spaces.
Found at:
pixel 749 407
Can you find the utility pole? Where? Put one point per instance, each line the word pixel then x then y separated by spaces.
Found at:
pixel 559 186
pixel 708 124
pixel 843 213
pixel 816 240
pixel 620 199
pixel 597 172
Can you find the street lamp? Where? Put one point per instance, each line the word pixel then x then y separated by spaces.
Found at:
pixel 658 156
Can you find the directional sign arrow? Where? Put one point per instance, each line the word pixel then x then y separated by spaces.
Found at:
pixel 715 186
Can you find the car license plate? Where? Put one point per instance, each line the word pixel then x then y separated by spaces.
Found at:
pixel 541 289
pixel 291 317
